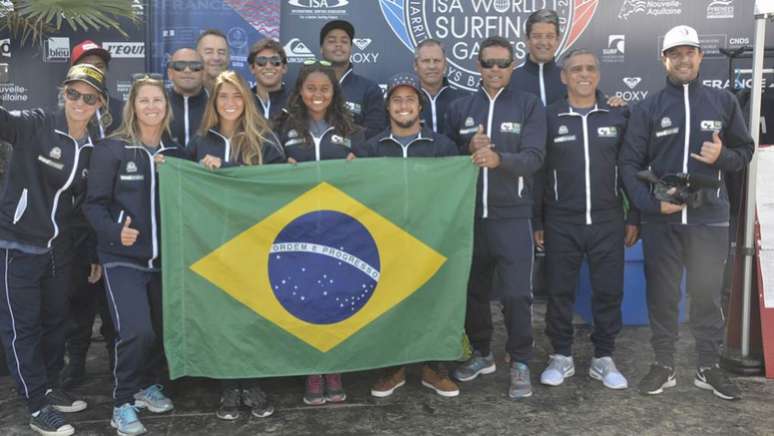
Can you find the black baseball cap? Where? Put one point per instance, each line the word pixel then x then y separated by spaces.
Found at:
pixel 337 24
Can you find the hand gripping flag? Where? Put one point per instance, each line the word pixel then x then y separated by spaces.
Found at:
pixel 314 268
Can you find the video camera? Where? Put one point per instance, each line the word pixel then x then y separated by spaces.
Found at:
pixel 687 187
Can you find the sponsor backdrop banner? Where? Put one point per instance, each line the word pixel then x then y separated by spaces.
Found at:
pixel 178 23
pixel 34 72
pixel 625 34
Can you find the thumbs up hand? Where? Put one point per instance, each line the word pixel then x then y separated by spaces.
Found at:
pixel 479 140
pixel 128 234
pixel 710 151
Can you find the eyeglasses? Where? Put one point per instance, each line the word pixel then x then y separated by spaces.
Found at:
pixel 146 76
pixel 490 63
pixel 73 95
pixel 180 66
pixel 318 61
pixel 261 61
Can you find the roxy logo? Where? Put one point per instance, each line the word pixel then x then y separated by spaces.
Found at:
pixel 362 43
pixel 318 4
pixel 632 82
pixel 631 94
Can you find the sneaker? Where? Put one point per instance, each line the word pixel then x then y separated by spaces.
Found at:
pixel 230 400
pixel 257 401
pixel 715 379
pixel 63 402
pixel 126 422
pixel 334 388
pixel 49 422
pixel 521 386
pixel 389 382
pixel 477 364
pixel 604 370
pixel 559 367
pixel 73 374
pixel 658 378
pixel 314 394
pixel 439 381
pixel 153 399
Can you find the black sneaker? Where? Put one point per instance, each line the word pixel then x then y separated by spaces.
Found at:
pixel 63 402
pixel 49 422
pixel 72 374
pixel 230 400
pixel 257 401
pixel 658 378
pixel 715 379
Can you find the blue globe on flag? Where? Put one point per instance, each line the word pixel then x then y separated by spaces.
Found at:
pixel 324 267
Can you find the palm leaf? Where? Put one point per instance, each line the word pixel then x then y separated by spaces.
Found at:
pixel 35 19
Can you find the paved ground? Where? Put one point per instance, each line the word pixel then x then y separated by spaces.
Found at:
pixel 580 406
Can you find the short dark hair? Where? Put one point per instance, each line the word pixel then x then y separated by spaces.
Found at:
pixel 267 44
pixel 577 52
pixel 495 41
pixel 428 42
pixel 543 16
pixel 208 32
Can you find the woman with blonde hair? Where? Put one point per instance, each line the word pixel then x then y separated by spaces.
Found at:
pixel 233 133
pixel 123 207
pixel 46 172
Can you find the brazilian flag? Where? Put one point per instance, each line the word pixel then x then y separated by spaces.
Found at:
pixel 314 268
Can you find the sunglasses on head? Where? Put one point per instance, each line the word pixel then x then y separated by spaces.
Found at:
pixel 73 95
pixel 146 76
pixel 180 66
pixel 317 61
pixel 490 63
pixel 261 61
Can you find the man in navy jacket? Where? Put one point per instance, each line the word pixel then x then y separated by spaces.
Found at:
pixel 504 131
pixel 579 204
pixel 685 128
pixel 430 65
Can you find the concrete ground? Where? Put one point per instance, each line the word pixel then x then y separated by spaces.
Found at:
pixel 580 406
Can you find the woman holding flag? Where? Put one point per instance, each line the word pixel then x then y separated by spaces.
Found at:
pixel 233 133
pixel 123 207
pixel 317 126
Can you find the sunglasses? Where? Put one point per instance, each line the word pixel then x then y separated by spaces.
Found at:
pixel 180 66
pixel 73 95
pixel 318 61
pixel 146 76
pixel 261 61
pixel 490 63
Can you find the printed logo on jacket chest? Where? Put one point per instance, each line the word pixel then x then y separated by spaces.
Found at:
pixel 510 127
pixel 711 125
pixel 607 132
pixel 338 139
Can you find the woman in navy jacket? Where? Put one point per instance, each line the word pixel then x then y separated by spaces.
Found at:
pixel 317 126
pixel 233 133
pixel 51 152
pixel 123 207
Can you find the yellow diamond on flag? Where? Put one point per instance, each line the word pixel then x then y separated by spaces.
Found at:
pixel 322 267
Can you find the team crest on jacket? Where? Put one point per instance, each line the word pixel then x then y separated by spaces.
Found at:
pixel 55 153
pixel 711 125
pixel 509 127
pixel 355 108
pixel 338 139
pixel 563 130
pixel 131 167
pixel 469 122
pixel 292 133
pixel 607 132
pixel 666 122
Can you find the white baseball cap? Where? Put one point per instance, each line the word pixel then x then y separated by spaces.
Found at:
pixel 680 35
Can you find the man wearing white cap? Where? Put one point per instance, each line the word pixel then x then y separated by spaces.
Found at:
pixel 698 130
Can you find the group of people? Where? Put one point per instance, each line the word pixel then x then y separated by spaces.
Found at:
pixel 79 222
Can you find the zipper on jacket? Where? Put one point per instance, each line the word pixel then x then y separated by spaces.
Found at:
pixel 587 166
pixel 433 107
pixel 187 123
pixel 120 217
pixel 556 186
pixel 686 143
pixel 317 141
pixel 489 120
pixel 720 179
pixel 67 184
pixel 542 85
pixel 227 144
pixel 615 181
pixel 21 206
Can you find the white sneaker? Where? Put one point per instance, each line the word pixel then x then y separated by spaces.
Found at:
pixel 559 367
pixel 604 370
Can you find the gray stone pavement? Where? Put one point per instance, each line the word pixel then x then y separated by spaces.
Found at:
pixel 581 406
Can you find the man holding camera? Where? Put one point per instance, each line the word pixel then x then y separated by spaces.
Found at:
pixel 685 128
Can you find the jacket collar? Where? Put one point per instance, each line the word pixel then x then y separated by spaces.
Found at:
pixel 180 97
pixel 674 88
pixel 600 106
pixel 531 66
pixel 424 133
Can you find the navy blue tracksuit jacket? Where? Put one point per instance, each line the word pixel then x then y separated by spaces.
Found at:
pixel 542 80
